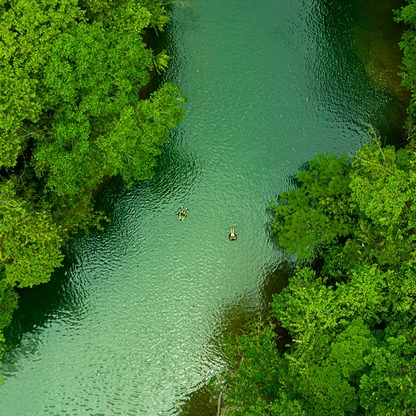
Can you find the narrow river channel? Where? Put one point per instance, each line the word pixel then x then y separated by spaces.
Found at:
pixel 131 324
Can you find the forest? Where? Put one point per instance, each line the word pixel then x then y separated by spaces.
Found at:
pixel 73 112
pixel 350 306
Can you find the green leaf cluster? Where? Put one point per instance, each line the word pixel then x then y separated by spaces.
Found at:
pixel 383 184
pixel 342 361
pixel 370 199
pixel 30 246
pixel 319 211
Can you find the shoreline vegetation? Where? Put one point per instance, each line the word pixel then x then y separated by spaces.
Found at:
pixel 74 109
pixel 352 320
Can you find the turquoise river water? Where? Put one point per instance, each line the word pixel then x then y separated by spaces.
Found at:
pixel 132 324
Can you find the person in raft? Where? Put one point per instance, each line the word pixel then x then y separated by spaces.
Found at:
pixel 182 214
pixel 233 235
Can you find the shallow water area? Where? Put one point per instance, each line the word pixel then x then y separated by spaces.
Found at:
pixel 131 324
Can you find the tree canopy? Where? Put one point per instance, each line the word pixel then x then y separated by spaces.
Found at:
pixel 317 212
pixel 353 324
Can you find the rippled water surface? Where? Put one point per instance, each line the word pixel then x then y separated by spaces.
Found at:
pixel 130 325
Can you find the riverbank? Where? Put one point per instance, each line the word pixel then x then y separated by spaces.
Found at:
pixel 79 110
pixel 349 305
pixel 144 303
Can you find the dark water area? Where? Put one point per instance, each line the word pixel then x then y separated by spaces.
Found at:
pixel 133 322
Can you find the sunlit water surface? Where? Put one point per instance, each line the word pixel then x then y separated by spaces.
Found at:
pixel 131 324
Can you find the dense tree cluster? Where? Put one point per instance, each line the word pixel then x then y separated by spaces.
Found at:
pixel 353 325
pixel 71 113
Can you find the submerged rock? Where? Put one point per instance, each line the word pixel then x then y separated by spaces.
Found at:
pixel 381 58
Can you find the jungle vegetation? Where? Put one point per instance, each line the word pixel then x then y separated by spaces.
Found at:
pixel 72 112
pixel 353 321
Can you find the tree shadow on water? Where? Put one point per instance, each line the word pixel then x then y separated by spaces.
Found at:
pixel 235 316
pixel 201 402
pixel 37 305
pixel 64 299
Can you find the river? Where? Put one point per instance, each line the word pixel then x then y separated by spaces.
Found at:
pixel 131 325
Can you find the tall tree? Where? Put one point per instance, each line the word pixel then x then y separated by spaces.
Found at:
pixel 319 210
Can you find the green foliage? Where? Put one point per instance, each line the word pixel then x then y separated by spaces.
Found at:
pixel 258 380
pixel 100 125
pixel 383 184
pixel 353 325
pixel 389 388
pixel 161 61
pixel 326 376
pixel 372 202
pixel 339 363
pixel 8 303
pixel 129 15
pixel 27 32
pixel 136 138
pixel 309 305
pixel 17 103
pixel 259 368
pixel 74 214
pixel 72 74
pixel 30 246
pixel 319 211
